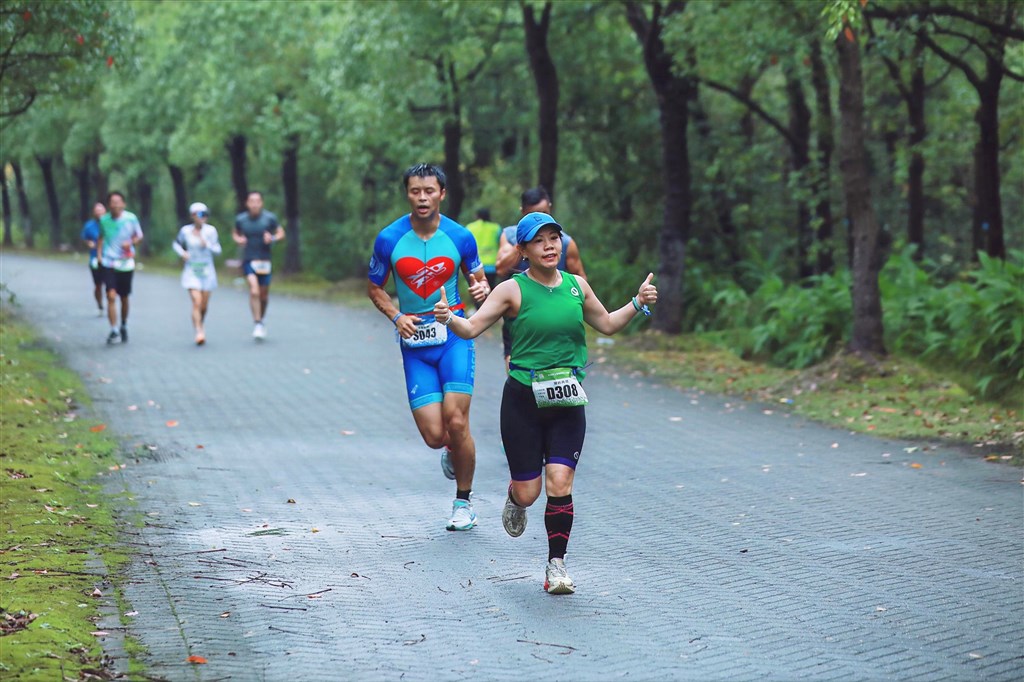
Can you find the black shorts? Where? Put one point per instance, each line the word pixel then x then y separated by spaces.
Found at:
pixel 533 436
pixel 118 281
pixel 97 275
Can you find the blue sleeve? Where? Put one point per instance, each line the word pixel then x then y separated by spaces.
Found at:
pixel 380 261
pixel 466 244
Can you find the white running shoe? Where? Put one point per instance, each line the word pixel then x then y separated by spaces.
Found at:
pixel 556 580
pixel 463 516
pixel 513 518
pixel 259 331
pixel 446 464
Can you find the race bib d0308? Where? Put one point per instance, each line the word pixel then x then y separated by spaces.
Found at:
pixel 558 387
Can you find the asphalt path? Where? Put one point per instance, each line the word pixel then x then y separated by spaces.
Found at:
pixel 288 523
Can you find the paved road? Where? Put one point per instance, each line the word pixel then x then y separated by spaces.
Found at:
pixel 712 540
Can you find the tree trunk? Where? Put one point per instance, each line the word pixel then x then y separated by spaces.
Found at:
pixel 23 206
pixel 456 191
pixel 84 193
pixel 8 218
pixel 144 191
pixel 988 213
pixel 52 202
pixel 800 148
pixel 867 333
pixel 723 204
pixel 545 77
pixel 915 172
pixel 99 179
pixel 290 178
pixel 826 146
pixel 237 150
pixel 180 194
pixel 673 96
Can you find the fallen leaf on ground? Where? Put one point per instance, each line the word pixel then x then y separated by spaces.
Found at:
pixel 291 501
pixel 348 433
pixel 132 408
pixel 200 447
pixel 96 593
pixel 172 423
pixel 195 504
pixel 915 465
pixel 316 530
pixel 198 660
pixel 99 633
pixel 226 614
pixel 98 428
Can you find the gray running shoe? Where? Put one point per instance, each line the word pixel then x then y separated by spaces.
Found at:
pixel 124 334
pixel 463 516
pixel 513 518
pixel 446 464
pixel 112 336
pixel 556 580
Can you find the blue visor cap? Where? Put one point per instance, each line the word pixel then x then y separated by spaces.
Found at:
pixel 531 224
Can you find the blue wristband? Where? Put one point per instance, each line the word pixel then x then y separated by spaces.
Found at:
pixel 394 320
pixel 641 308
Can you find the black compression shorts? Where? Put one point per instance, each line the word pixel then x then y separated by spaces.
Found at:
pixel 535 436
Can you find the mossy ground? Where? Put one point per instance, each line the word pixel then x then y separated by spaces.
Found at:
pixel 56 522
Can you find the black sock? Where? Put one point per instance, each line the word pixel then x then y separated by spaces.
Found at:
pixel 462 494
pixel 558 521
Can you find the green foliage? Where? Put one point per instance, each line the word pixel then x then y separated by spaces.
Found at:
pixel 49 48
pixel 797 326
pixel 975 324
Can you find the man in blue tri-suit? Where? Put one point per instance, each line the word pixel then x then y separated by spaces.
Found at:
pixel 426 250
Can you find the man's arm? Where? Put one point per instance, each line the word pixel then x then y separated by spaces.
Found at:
pixel 573 263
pixel 508 256
pixel 275 236
pixel 406 324
pixel 238 236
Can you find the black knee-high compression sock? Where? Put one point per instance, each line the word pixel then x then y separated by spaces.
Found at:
pixel 558 522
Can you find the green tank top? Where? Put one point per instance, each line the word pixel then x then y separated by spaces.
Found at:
pixel 549 329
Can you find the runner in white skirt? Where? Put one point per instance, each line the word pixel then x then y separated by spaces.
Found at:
pixel 197 244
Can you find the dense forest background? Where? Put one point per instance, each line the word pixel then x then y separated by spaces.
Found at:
pixel 801 175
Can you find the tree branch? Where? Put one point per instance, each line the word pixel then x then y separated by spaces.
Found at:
pixel 952 59
pixel 1005 30
pixel 940 30
pixel 753 106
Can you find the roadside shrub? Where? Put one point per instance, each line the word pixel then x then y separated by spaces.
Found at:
pixel 976 324
pixel 796 326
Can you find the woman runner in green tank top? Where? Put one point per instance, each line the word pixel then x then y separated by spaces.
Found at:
pixel 543 418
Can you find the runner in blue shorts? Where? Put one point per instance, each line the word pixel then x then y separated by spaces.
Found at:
pixel 426 250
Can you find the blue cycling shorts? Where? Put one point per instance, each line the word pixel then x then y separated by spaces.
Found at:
pixel 435 370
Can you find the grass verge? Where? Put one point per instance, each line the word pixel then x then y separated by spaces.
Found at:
pixel 894 397
pixel 57 522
